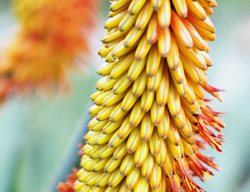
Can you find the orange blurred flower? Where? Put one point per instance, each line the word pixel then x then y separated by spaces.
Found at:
pixel 68 185
pixel 53 34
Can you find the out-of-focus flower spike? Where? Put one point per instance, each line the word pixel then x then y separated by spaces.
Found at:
pixel 52 37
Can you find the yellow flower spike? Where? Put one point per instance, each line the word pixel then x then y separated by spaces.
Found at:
pixel 121 188
pixel 116 5
pixel 156 4
pixel 94 110
pixel 136 115
pixel 147 128
pixel 121 85
pixel 142 185
pixel 168 163
pixel 195 57
pixel 136 69
pixel 120 152
pixel 139 85
pixel 181 31
pixel 156 177
pixel 104 113
pixel 141 154
pixel 132 37
pixel 164 14
pixel 115 178
pixel 127 165
pixel 127 22
pixel 155 144
pixel 90 181
pixel 128 101
pixel 119 51
pixel 105 84
pixel 175 150
pixel 174 136
pixel 142 49
pixel 99 165
pixel 186 131
pixel 117 114
pixel 88 149
pixel 188 149
pixel 80 186
pixel 115 140
pixel 112 36
pixel 144 16
pixel 52 36
pixel 147 100
pixel 111 165
pixel 206 24
pixel 180 7
pixel 152 31
pixel 112 99
pixel 96 125
pixel 154 81
pixel 148 166
pixel 173 57
pixel 207 58
pixel 113 22
pixel 196 9
pixel 107 152
pixel 121 67
pixel 110 127
pixel 84 175
pixel 87 164
pixel 163 90
pixel 133 141
pixel 103 52
pixel 102 139
pixel 151 102
pixel 162 156
pixel 91 135
pixel 156 113
pixel 133 178
pixel 97 189
pixel 154 59
pixel 98 97
pixel 136 6
pixel 164 42
pixel 164 127
pixel 199 43
pixel 178 74
pixel 125 129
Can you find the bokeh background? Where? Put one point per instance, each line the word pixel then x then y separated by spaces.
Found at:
pixel 39 136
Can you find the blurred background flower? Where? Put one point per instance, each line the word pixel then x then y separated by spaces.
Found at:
pixel 52 38
pixel 37 136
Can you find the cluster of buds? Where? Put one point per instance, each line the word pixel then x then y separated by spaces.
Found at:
pixel 150 117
